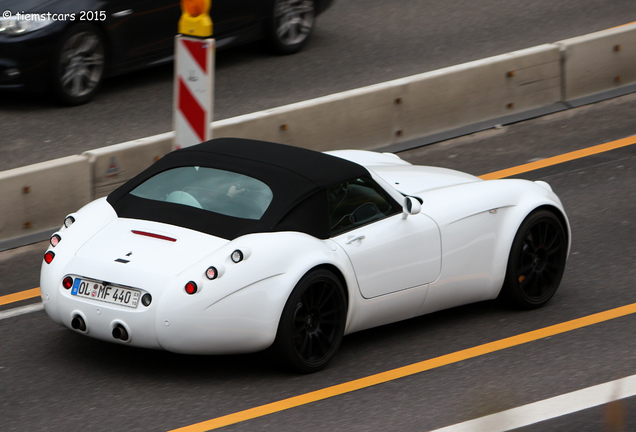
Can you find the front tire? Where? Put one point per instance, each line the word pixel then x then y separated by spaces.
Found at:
pixel 536 262
pixel 291 25
pixel 312 324
pixel 79 65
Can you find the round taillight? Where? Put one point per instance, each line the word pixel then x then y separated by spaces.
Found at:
pixel 55 240
pixel 67 282
pixel 146 299
pixel 48 257
pixel 237 256
pixel 191 287
pixel 70 220
pixel 211 273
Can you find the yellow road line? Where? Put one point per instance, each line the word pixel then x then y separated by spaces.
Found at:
pixel 622 25
pixel 560 158
pixel 405 371
pixel 16 297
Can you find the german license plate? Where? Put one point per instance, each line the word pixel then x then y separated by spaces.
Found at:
pixel 107 293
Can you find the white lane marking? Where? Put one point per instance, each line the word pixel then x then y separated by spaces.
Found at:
pixel 21 310
pixel 549 408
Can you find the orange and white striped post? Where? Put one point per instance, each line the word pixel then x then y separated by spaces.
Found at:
pixel 194 75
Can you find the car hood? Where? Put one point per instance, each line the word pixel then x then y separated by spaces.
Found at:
pixel 147 247
pixel 413 179
pixel 404 177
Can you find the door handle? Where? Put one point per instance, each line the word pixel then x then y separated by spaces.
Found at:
pixel 351 240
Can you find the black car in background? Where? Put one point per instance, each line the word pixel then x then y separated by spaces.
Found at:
pixel 70 46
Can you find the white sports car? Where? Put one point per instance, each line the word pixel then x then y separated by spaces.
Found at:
pixel 237 245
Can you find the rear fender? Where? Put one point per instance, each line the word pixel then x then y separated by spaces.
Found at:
pixel 241 308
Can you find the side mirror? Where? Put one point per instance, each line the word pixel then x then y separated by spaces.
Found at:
pixel 411 206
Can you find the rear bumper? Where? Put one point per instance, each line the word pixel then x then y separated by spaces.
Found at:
pixel 209 322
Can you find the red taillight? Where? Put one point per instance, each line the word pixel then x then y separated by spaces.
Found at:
pixel 191 287
pixel 55 240
pixel 67 282
pixel 48 257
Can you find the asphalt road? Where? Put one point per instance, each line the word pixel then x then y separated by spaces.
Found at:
pixel 52 379
pixel 357 43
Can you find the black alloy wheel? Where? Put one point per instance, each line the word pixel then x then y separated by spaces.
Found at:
pixel 80 64
pixel 537 261
pixel 291 25
pixel 313 321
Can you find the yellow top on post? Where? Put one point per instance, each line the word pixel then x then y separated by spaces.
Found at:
pixel 195 19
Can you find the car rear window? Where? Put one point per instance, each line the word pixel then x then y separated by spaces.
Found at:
pixel 219 191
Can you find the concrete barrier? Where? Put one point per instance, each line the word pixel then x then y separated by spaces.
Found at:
pixel 374 116
pixel 411 107
pixel 36 199
pixel 360 118
pixel 394 115
pixel 602 63
pixel 483 90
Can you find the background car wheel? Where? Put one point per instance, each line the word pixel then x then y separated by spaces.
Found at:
pixel 291 25
pixel 536 262
pixel 312 323
pixel 79 65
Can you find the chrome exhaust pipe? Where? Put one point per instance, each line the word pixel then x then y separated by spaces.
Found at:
pixel 78 323
pixel 120 333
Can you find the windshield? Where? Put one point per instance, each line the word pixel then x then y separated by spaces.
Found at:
pixel 219 191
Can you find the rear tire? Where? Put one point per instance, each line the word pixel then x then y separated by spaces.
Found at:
pixel 536 262
pixel 312 324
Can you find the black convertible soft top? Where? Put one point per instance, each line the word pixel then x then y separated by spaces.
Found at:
pixel 298 178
